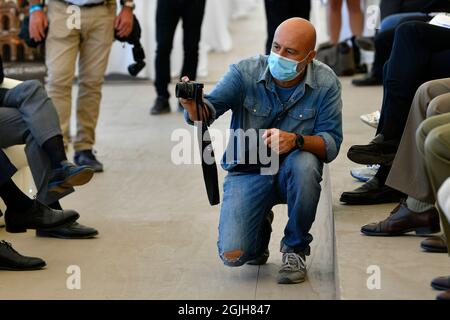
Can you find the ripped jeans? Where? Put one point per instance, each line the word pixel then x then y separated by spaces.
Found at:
pixel 244 227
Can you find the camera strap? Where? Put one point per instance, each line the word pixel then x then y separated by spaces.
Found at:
pixel 209 168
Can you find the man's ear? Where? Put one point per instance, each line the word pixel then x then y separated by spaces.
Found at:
pixel 312 55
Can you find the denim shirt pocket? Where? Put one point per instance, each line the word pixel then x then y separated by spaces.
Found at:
pixel 256 114
pixel 301 120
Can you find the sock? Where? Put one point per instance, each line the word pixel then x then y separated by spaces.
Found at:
pixel 14 198
pixel 55 205
pixel 382 174
pixel 417 205
pixel 54 148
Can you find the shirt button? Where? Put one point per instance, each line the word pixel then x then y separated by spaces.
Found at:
pixel 254 110
pixel 301 116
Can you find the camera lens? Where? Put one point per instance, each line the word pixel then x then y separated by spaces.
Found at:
pixel 184 90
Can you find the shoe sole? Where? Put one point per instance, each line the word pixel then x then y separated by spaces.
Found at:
pixel 370 158
pixel 48 234
pixel 289 281
pixel 371 124
pixel 361 202
pixel 433 249
pixel 439 288
pixel 80 178
pixel 22 229
pixel 418 231
pixel 39 267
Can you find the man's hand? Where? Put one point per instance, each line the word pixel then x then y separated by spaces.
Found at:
pixel 124 22
pixel 38 24
pixel 190 105
pixel 279 141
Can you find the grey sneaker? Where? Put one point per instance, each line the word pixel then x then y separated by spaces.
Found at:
pixel 293 269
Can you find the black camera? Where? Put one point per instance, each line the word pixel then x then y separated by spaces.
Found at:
pixel 188 90
pixel 134 38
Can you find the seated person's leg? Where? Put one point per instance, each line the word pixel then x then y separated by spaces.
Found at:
pixel 416 44
pixel 437 159
pixel 392 21
pixel 45 151
pixel 437 156
pixel 408 173
pixel 23 213
pixel 383 46
pixel 40 120
pixel 244 229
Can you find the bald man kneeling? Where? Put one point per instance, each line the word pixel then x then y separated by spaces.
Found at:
pixel 292 105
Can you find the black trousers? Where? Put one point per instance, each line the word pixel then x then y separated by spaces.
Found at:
pixel 168 14
pixel 279 10
pixel 383 45
pixel 7 169
pixel 421 52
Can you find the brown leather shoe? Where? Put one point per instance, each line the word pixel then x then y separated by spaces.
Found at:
pixel 435 244
pixel 403 220
pixel 441 283
pixel 444 295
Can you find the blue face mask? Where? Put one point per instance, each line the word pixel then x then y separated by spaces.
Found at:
pixel 283 69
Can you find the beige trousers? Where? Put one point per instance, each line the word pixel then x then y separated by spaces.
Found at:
pixel 91 44
pixel 408 173
pixel 433 142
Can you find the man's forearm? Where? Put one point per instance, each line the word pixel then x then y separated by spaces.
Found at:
pixel 33 2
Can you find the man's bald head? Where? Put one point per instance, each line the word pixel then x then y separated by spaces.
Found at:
pixel 296 33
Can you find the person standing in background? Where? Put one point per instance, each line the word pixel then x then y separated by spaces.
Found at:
pixel 356 25
pixel 281 10
pixel 168 13
pixel 91 43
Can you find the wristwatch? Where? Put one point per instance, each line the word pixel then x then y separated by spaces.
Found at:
pixel 129 4
pixel 299 141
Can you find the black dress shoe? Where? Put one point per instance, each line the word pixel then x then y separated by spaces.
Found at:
pixel 38 216
pixel 10 259
pixel 403 220
pixel 161 106
pixel 74 231
pixel 378 151
pixel 87 158
pixel 441 283
pixel 369 80
pixel 371 193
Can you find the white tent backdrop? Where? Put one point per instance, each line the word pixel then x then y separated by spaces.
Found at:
pixel 215 36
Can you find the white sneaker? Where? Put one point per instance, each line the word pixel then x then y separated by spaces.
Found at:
pixel 371 119
pixel 366 173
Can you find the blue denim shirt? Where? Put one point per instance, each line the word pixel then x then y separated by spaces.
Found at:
pixel 249 91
